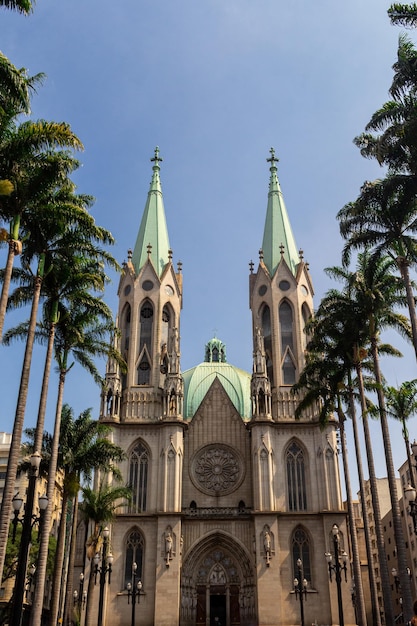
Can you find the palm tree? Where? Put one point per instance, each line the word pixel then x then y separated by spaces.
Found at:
pixel 22 6
pixel 83 332
pixel 378 292
pixel 403 14
pixel 15 88
pixel 30 160
pixel 384 218
pixel 401 404
pixel 83 447
pixel 390 133
pixel 63 229
pixel 100 506
pixel 326 379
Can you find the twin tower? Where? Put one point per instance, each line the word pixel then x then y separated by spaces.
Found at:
pixel 230 491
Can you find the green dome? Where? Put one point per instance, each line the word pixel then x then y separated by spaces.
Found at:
pixel 198 380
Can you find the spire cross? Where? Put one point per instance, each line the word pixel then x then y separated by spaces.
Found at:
pixel 156 159
pixel 273 159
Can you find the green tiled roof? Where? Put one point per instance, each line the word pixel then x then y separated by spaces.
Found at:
pixel 153 227
pixel 278 232
pixel 198 380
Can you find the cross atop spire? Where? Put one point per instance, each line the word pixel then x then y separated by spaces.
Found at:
pixel 273 159
pixel 156 158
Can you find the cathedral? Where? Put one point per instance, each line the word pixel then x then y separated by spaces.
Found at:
pixel 234 499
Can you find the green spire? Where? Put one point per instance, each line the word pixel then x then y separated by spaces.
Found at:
pixel 278 238
pixel 153 238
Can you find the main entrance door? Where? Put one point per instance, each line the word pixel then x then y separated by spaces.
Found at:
pixel 216 586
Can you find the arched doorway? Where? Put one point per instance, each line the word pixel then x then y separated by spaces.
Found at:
pixel 217 586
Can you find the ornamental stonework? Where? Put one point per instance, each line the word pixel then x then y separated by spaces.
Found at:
pixel 217 469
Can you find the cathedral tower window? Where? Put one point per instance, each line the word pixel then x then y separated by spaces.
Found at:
pixel 125 330
pixel 146 325
pixel 287 343
pixel 134 554
pixel 145 343
pixel 296 478
pixel 138 477
pixel 267 333
pixel 301 550
pixel 306 315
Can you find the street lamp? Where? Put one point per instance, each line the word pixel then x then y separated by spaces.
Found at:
pixel 300 588
pixel 105 567
pixel 133 591
pixel 410 495
pixel 339 565
pixel 80 597
pixel 28 521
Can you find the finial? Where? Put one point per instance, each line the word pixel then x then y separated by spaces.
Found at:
pixel 129 255
pixel 282 249
pixel 251 265
pixel 273 159
pixel 149 249
pixel 301 254
pixel 170 254
pixel 261 254
pixel 156 159
pixel 179 266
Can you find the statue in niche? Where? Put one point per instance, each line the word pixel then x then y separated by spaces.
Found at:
pixel 168 546
pixel 267 539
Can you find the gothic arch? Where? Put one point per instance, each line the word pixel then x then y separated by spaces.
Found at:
pixel 139 462
pixel 217 575
pixel 288 341
pixel 301 547
pixel 264 315
pixel 296 462
pixel 133 552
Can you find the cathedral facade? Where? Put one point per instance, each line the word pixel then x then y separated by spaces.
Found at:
pixel 233 497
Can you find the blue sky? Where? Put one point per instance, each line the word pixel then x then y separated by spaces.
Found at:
pixel 215 84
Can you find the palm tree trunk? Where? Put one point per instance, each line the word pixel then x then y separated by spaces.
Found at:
pixel 376 616
pixel 14 249
pixel 382 556
pixel 395 505
pixel 405 275
pixel 14 454
pixel 360 600
pixel 69 599
pixel 37 605
pixel 59 560
pixel 89 607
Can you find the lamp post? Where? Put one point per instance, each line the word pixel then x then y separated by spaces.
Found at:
pixel 105 567
pixel 28 521
pixel 410 496
pixel 80 597
pixel 300 588
pixel 133 591
pixel 339 565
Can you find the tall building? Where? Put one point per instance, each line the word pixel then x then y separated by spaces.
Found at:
pixel 229 488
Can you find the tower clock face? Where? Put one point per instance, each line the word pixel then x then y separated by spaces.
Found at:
pixel 169 290
pixel 304 290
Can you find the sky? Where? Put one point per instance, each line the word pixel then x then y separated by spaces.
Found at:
pixel 214 84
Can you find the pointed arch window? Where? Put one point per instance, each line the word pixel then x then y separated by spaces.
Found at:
pixel 286 326
pixel 138 477
pixel 146 326
pixel 134 553
pixel 166 324
pixel 125 329
pixel 267 333
pixel 306 315
pixel 296 478
pixel 301 550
